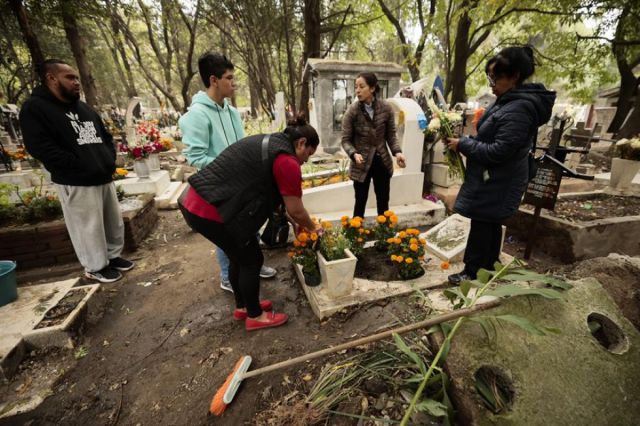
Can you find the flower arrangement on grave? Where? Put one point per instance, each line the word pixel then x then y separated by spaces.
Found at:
pixel 628 149
pixel 148 131
pixel 120 173
pixel 385 229
pixel 135 153
pixel 406 250
pixel 355 233
pixel 333 244
pixel 32 206
pixel 443 125
pixel 20 154
pixel 304 253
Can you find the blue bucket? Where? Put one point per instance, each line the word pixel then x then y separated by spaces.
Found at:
pixel 8 286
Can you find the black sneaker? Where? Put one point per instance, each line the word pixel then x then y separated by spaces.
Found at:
pixel 121 264
pixel 456 279
pixel 105 275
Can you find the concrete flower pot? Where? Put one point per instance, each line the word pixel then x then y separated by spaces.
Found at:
pixel 141 169
pixel 622 173
pixel 153 162
pixel 337 275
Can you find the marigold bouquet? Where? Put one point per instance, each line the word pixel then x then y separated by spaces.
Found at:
pixel 406 250
pixel 385 229
pixel 120 173
pixel 355 233
pixel 443 124
pixel 304 252
pixel 628 149
pixel 333 244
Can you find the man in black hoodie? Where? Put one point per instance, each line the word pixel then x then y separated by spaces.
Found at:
pixel 69 138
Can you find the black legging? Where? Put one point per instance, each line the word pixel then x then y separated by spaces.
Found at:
pixel 483 247
pixel 381 186
pixel 244 261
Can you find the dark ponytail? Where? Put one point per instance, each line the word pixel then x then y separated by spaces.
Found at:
pixel 298 128
pixel 513 61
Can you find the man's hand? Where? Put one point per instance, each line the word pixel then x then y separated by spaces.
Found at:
pixel 402 161
pixel 358 158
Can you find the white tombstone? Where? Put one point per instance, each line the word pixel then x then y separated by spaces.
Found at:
pixel 130 128
pixel 279 123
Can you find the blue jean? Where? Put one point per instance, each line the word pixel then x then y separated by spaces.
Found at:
pixel 223 261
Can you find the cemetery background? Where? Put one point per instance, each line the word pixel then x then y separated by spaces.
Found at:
pixel 155 346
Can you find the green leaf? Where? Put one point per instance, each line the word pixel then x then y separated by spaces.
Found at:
pixel 527 325
pixel 524 275
pixel 465 286
pixel 432 407
pixel 487 396
pixel 487 326
pixel 456 293
pixel 446 345
pixel 514 290
pixel 484 276
pixel 414 356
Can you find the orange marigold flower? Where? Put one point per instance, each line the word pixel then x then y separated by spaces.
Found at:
pixel 409 260
pixel 381 219
pixel 413 247
pixel 355 223
pixel 413 241
pixel 296 243
pixel 344 218
pixel 397 241
pixel 313 236
pixel 303 244
pixel 327 225
pixel 361 231
pixel 423 241
pixel 303 237
pixel 444 265
pixel 388 213
pixel 399 259
pixel 291 254
pixel 360 240
pixel 391 240
pixel 394 219
pixel 402 234
pixel 366 231
pixel 393 257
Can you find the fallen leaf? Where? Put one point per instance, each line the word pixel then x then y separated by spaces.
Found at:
pixel 105 343
pixel 226 350
pixel 307 377
pixel 184 332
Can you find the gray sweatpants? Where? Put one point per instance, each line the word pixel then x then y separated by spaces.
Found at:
pixel 93 219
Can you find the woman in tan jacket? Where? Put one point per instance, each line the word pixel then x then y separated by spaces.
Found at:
pixel 367 128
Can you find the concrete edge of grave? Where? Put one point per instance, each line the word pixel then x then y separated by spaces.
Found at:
pixel 367 291
pixel 58 334
pixel 461 363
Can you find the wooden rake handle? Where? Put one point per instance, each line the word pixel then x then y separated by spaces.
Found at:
pixel 438 319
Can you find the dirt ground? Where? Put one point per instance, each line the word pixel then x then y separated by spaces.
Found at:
pixel 595 207
pixel 161 341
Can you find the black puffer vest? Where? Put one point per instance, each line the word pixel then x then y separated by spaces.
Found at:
pixel 238 184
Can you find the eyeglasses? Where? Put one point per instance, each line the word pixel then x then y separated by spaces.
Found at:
pixel 491 80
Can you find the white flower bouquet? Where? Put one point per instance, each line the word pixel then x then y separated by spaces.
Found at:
pixel 628 149
pixel 443 125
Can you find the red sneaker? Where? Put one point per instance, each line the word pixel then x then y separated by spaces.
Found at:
pixel 265 305
pixel 273 320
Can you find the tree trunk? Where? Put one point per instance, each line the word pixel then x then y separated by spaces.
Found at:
pixel 630 127
pixel 29 36
pixel 77 44
pixel 312 42
pixel 290 68
pixel 457 80
pixel 628 81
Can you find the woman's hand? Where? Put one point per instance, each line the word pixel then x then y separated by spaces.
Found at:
pixel 452 144
pixel 402 162
pixel 359 159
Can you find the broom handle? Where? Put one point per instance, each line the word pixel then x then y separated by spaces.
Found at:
pixel 374 338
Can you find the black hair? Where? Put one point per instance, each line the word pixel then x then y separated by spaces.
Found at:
pixel 298 128
pixel 45 67
pixel 213 64
pixel 371 80
pixel 511 62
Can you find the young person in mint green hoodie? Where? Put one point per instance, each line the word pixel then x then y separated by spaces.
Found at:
pixel 211 125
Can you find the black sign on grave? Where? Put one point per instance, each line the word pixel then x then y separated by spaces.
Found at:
pixel 542 191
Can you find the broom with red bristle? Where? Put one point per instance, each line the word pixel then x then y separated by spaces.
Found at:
pixel 228 390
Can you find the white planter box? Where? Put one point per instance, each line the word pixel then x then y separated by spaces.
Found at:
pixel 622 173
pixel 337 275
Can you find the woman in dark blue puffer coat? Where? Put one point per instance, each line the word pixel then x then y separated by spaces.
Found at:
pixel 497 165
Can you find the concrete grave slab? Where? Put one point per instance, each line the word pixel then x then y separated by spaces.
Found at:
pixel 156 183
pixel 423 213
pixel 168 198
pixel 21 316
pixel 448 239
pixel 23 179
pixel 603 179
pixel 559 379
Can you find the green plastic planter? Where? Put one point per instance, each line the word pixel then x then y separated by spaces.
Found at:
pixel 8 286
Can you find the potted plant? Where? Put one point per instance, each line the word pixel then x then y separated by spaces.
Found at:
pixel 304 254
pixel 336 262
pixel 355 232
pixel 406 250
pixel 138 154
pixel 385 229
pixel 626 164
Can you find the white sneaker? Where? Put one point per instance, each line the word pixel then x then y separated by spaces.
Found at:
pixel 267 272
pixel 226 285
